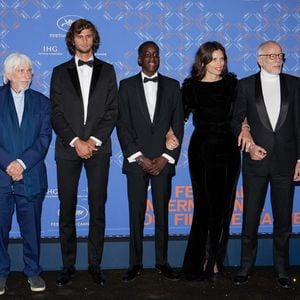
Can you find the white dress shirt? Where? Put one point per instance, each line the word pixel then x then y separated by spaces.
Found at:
pixel 150 89
pixel 85 76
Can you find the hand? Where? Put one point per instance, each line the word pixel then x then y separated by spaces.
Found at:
pixel 257 152
pixel 146 165
pixel 158 165
pixel 144 162
pixel 245 139
pixel 15 170
pixel 83 149
pixel 92 144
pixel 171 140
pixel 297 172
pixel 17 178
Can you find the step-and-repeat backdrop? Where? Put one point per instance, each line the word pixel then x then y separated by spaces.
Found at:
pixel 38 28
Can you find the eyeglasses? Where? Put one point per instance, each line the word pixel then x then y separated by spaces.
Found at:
pixel 280 56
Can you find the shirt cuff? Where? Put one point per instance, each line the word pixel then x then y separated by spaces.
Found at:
pixel 73 141
pixel 98 142
pixel 169 158
pixel 20 161
pixel 132 157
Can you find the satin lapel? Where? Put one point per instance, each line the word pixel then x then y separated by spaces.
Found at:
pixel 95 76
pixel 260 104
pixel 284 103
pixel 141 98
pixel 159 100
pixel 74 77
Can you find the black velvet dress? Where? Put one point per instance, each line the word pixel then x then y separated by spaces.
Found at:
pixel 214 164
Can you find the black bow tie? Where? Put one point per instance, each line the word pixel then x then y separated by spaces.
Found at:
pixel 88 63
pixel 154 79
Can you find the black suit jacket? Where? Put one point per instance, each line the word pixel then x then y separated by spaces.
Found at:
pixel 283 143
pixel 136 132
pixel 67 107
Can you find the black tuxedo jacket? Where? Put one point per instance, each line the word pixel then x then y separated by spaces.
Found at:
pixel 283 143
pixel 136 132
pixel 67 107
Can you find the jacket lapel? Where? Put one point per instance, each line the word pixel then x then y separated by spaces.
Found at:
pixel 95 76
pixel 283 103
pixel 74 77
pixel 94 83
pixel 13 121
pixel 260 104
pixel 159 100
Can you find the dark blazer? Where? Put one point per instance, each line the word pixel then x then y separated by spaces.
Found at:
pixel 67 115
pixel 32 149
pixel 283 144
pixel 135 130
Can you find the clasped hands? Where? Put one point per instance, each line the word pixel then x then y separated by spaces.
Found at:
pixel 15 170
pixel 85 149
pixel 154 166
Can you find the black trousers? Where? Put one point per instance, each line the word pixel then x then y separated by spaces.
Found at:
pixel 281 193
pixel 137 187
pixel 68 175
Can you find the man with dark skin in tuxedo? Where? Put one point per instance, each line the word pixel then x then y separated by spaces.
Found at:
pixel 149 104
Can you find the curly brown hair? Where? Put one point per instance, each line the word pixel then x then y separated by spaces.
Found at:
pixel 76 28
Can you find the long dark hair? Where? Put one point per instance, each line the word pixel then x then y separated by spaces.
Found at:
pixel 204 56
pixel 76 28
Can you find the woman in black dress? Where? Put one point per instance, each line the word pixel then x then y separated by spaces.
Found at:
pixel 214 160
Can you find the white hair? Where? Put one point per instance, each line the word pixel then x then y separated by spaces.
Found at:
pixel 12 62
pixel 261 47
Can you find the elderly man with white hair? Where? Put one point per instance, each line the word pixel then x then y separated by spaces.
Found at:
pixel 25 135
pixel 269 100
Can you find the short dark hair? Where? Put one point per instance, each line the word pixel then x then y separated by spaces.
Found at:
pixel 204 56
pixel 76 28
pixel 145 44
